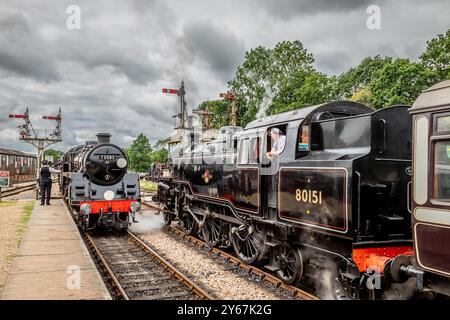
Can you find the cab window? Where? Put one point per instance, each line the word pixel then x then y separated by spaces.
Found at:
pixel 303 146
pixel 249 149
pixel 254 150
pixel 276 139
pixel 441 176
pixel 243 151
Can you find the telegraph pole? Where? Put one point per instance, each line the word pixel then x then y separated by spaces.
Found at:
pixel 39 139
pixel 231 96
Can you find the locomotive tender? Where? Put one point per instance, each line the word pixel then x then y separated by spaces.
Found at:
pixel 96 183
pixel 334 201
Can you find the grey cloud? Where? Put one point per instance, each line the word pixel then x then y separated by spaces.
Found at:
pixel 286 9
pixel 20 52
pixel 218 47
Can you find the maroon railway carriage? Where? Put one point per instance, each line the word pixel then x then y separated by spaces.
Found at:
pixel 430 192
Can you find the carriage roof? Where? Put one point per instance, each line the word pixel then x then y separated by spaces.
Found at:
pixel 434 97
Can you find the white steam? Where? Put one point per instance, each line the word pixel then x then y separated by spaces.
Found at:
pixel 147 222
pixel 265 103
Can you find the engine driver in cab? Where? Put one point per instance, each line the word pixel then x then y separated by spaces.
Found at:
pixel 45 182
pixel 278 142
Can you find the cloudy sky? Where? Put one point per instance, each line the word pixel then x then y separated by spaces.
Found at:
pixel 108 75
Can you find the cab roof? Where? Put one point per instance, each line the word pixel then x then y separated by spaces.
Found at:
pixel 344 107
pixel 434 97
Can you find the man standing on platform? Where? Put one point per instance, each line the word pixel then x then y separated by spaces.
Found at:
pixel 45 182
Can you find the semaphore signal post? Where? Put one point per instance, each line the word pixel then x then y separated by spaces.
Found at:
pixel 39 138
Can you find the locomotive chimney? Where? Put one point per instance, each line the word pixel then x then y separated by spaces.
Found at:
pixel 103 138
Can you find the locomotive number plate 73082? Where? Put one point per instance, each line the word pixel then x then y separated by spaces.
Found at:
pixel 107 156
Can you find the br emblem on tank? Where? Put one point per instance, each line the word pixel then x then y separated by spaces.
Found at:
pixel 207 176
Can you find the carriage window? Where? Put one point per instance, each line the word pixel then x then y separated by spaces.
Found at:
pixel 243 151
pixel 441 183
pixel 443 124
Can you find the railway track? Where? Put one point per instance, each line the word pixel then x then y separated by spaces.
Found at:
pixel 292 291
pixel 17 190
pixel 137 272
pixel 150 205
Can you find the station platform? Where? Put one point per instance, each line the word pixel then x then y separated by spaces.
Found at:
pixel 52 262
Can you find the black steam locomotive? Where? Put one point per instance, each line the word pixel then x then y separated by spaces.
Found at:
pixel 331 210
pixel 95 182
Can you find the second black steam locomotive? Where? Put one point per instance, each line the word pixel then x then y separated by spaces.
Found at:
pixel 96 183
pixel 334 202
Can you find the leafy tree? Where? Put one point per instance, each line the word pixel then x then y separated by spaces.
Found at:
pixel 317 88
pixel 359 77
pixel 221 112
pixel 160 153
pixel 270 76
pixel 140 154
pixel 437 56
pixel 363 96
pixel 400 82
pixel 56 154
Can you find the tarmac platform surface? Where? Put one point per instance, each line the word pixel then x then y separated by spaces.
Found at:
pixel 52 261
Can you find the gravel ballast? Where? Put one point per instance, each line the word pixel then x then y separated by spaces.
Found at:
pixel 212 276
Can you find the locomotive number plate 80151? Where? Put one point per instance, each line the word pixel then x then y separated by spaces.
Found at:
pixel 315 196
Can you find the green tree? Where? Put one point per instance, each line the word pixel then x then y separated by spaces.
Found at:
pixel 221 112
pixel 400 82
pixel 160 156
pixel 317 88
pixel 437 56
pixel 56 154
pixel 160 152
pixel 140 154
pixel 363 96
pixel 268 78
pixel 359 77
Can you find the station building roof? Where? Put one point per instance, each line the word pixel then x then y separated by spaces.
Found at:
pixel 16 153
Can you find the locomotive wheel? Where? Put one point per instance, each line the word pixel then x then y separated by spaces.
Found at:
pixel 211 232
pixel 290 261
pixel 247 244
pixel 167 216
pixel 187 223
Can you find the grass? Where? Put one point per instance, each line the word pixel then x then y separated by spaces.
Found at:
pixel 7 203
pixel 21 227
pixel 27 209
pixel 149 185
